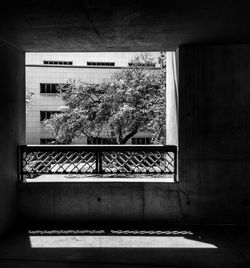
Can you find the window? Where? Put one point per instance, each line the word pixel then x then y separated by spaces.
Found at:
pixel 52 87
pixel 49 62
pixel 152 65
pixel 95 63
pixel 97 140
pixel 47 141
pixel 141 140
pixel 47 114
pixel 50 141
pixel 48 88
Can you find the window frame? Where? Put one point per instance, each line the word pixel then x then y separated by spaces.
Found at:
pixel 57 62
pixel 101 63
pixel 45 117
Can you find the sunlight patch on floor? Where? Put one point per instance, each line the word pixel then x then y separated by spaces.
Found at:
pixel 90 241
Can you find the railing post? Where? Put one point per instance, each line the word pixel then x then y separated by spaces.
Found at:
pixel 100 162
pixel 96 162
pixel 175 166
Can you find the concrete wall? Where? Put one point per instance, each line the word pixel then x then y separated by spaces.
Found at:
pixel 12 133
pixel 172 98
pixel 214 149
pixel 214 132
pixel 98 201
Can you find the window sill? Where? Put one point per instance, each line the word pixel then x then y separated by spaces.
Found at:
pixel 101 178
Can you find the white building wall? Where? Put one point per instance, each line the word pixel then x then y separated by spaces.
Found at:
pixel 121 59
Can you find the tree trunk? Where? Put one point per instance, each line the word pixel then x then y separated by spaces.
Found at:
pixel 126 138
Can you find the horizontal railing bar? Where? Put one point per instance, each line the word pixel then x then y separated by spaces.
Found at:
pixel 104 173
pixel 103 148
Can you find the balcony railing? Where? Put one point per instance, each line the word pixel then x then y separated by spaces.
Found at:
pixel 97 159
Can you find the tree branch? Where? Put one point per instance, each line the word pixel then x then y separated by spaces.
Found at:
pixel 131 134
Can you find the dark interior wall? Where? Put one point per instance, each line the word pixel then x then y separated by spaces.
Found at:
pixel 12 118
pixel 76 202
pixel 214 132
pixel 214 149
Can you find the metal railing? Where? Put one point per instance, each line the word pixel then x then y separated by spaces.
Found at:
pixel 36 160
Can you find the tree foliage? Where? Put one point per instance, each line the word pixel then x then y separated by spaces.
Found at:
pixel 28 100
pixel 132 100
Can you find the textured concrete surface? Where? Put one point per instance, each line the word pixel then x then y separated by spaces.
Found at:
pixel 214 132
pixel 214 106
pixel 165 246
pixel 122 25
pixel 96 201
pixel 213 156
pixel 12 116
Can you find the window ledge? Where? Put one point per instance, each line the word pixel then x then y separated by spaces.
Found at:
pixel 102 178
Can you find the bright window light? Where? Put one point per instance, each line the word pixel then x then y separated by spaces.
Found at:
pixel 90 241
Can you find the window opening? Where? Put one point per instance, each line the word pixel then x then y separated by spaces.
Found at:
pixel 49 62
pixel 48 87
pixel 141 140
pixel 47 114
pixel 96 63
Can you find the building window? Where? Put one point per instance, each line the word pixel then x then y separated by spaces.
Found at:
pixel 51 141
pixel 141 140
pixel 48 88
pixel 53 62
pixel 47 141
pixel 47 114
pixel 152 65
pixel 97 140
pixel 95 63
pixel 52 88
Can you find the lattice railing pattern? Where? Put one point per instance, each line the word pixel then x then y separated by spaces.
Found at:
pixel 97 159
pixel 57 162
pixel 138 162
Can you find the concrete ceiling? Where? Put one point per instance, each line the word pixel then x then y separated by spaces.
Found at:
pixel 113 25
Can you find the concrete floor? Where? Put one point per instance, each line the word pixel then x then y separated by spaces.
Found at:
pixel 164 246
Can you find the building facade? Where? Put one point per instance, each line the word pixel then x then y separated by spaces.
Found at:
pixel 45 70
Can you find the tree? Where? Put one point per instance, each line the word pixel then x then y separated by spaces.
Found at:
pixel 132 100
pixel 80 115
pixel 28 100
